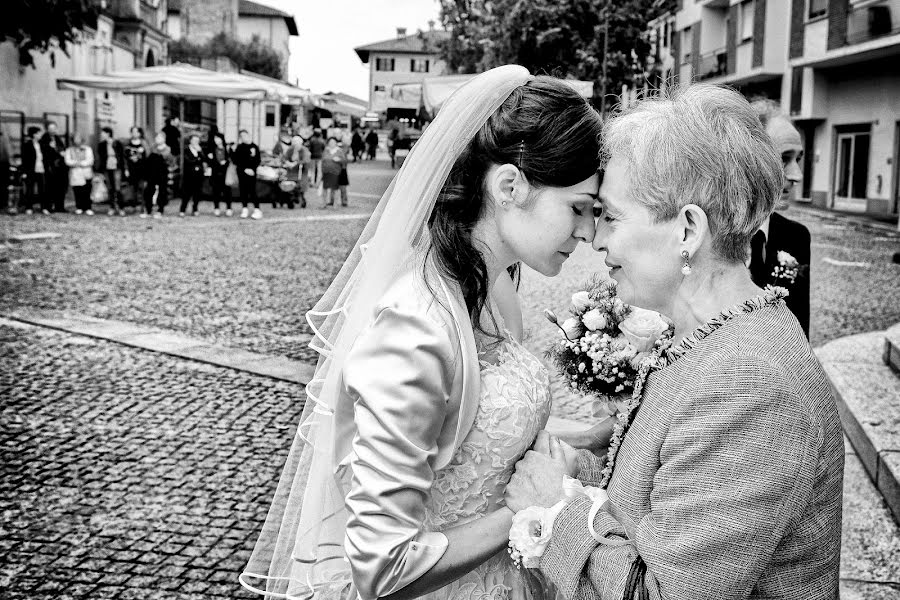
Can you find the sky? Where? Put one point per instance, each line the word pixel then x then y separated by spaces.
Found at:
pixel 322 57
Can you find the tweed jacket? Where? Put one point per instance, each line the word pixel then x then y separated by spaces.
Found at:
pixel 728 483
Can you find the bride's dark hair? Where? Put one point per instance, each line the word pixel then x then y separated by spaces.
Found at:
pixel 551 134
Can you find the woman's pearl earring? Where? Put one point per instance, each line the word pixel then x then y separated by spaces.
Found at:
pixel 686 268
pixel 504 203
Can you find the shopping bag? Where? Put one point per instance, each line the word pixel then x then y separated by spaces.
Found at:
pixel 99 191
pixel 231 177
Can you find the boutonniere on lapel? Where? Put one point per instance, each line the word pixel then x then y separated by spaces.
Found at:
pixel 787 269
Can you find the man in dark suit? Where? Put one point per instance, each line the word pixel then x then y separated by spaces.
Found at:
pixel 33 174
pixel 770 266
pixel 53 146
pixel 780 242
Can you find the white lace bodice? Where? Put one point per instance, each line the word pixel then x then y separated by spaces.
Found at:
pixel 514 406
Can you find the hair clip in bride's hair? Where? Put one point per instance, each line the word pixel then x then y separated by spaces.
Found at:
pixel 521 153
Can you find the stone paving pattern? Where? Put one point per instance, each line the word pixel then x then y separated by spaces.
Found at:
pixel 131 474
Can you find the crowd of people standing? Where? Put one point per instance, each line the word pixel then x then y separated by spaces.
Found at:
pixel 135 172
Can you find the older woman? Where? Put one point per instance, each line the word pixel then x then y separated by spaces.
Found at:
pixel 728 481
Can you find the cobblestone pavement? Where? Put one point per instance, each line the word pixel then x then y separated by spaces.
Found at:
pixel 129 474
pixel 231 281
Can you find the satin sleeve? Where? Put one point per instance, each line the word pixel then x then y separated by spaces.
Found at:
pixel 400 374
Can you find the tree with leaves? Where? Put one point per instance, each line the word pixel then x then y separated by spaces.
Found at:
pixel 46 25
pixel 254 56
pixel 564 38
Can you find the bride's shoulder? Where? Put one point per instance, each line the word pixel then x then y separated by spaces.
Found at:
pixel 415 293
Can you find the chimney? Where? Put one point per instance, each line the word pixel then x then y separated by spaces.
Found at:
pixel 431 25
pixel 401 32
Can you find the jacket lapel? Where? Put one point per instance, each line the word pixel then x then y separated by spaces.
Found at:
pixel 471 375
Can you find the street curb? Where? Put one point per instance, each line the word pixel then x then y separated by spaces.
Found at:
pixel 861 219
pixel 880 459
pixel 172 344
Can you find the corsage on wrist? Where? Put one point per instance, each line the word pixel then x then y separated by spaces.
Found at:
pixel 532 527
pixel 530 533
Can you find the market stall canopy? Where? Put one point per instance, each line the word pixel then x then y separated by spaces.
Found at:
pixel 186 81
pixel 436 90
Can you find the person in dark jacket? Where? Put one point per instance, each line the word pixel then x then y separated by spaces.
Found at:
pixel 34 174
pixel 218 158
pixel 371 144
pixel 136 152
pixel 246 160
pixel 780 250
pixel 357 145
pixel 56 176
pixel 173 135
pixel 159 166
pixel 316 149
pixel 192 182
pixel 111 163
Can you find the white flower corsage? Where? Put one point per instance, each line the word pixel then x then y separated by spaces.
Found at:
pixel 530 533
pixel 788 267
pixel 532 527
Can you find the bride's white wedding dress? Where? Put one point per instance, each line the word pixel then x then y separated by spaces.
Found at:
pixel 514 406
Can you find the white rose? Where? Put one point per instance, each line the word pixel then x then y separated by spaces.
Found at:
pixel 594 319
pixel 787 259
pixel 581 301
pixel 530 534
pixel 573 328
pixel 642 328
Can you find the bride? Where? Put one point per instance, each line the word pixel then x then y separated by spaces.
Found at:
pixel 424 397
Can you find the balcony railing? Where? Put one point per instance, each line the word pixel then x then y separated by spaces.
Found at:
pixel 870 20
pixel 712 64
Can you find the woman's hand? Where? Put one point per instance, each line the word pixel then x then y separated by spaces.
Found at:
pixel 545 443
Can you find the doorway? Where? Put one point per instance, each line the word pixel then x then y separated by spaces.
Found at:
pixel 851 172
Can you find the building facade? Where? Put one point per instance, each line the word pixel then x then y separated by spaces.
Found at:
pixel 200 20
pixel 129 34
pixel 834 65
pixel 240 19
pixel 396 66
pixel 843 91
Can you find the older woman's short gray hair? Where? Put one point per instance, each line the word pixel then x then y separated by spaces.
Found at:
pixel 701 145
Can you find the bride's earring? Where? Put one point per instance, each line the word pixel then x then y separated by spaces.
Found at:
pixel 686 268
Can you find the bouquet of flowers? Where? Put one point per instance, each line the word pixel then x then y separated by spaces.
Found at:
pixel 606 342
pixel 607 352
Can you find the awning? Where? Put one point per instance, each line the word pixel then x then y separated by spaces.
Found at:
pixel 436 90
pixel 187 81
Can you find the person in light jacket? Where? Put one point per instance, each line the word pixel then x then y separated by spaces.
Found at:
pixel 80 159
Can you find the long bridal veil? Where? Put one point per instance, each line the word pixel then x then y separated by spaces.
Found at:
pixel 300 553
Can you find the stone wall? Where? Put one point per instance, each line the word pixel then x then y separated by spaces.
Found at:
pixel 203 19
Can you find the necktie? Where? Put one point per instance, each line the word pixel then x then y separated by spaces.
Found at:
pixel 757 264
